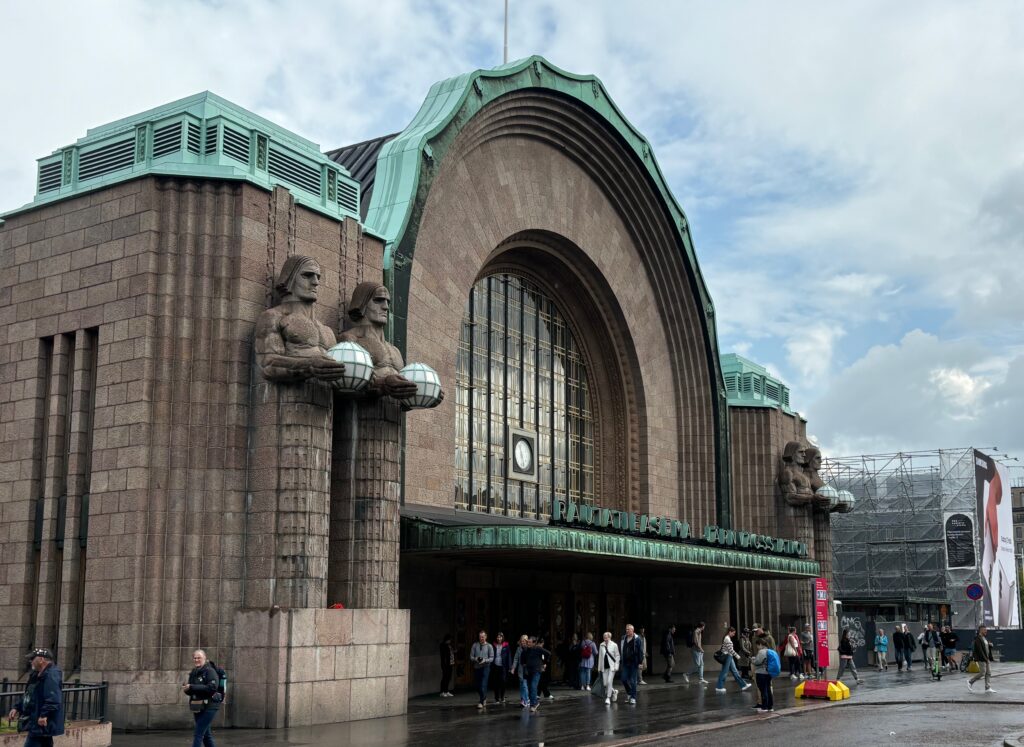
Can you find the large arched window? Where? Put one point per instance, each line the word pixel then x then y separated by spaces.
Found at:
pixel 520 368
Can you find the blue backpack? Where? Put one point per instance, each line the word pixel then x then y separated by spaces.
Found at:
pixel 774 664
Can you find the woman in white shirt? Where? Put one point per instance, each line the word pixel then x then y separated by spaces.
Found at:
pixel 608 665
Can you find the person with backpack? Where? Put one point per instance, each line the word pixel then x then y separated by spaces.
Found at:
pixel 668 650
pixel 608 664
pixel 500 668
pixel 40 710
pixel 846 656
pixel 587 656
pixel 695 641
pixel 482 656
pixel 767 666
pixel 205 691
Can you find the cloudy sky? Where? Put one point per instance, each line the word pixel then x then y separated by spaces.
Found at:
pixel 853 172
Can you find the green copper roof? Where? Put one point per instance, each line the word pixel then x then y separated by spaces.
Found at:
pixel 750 385
pixel 201 136
pixel 401 176
pixel 557 542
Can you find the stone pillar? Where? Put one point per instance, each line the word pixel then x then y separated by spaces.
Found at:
pixel 286 540
pixel 366 487
pixel 823 554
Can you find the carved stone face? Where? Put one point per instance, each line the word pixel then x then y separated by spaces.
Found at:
pixel 306 284
pixel 377 308
pixel 815 461
pixel 800 457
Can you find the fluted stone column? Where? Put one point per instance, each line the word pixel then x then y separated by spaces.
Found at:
pixel 366 487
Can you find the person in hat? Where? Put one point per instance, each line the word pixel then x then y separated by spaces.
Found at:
pixel 41 710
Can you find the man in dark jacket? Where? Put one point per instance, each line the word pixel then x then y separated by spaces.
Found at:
pixel 41 710
pixel 668 650
pixel 204 698
pixel 631 649
pixel 899 646
pixel 534 661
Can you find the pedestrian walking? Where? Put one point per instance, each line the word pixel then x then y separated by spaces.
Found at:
pixel 537 658
pixel 726 656
pixel 846 656
pixel 881 649
pixel 572 662
pixel 545 675
pixel 931 645
pixel 631 649
pixel 982 653
pixel 482 656
pixel 794 653
pixel 949 642
pixel 204 697
pixel 911 645
pixel 500 668
pixel 695 642
pixel 588 655
pixel 766 665
pixel 668 652
pixel 642 635
pixel 446 652
pixel 40 711
pixel 519 667
pixel 807 646
pixel 607 665
pixel 899 647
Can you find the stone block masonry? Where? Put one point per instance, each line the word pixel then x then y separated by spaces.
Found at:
pixel 127 485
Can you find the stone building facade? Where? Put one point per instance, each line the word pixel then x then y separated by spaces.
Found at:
pixel 159 494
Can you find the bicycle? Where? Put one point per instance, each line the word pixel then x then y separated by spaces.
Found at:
pixel 965 660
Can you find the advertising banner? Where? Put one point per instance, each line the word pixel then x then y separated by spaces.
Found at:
pixel 821 620
pixel 959 541
pixel 1000 605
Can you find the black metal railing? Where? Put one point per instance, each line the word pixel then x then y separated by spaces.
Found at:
pixel 82 701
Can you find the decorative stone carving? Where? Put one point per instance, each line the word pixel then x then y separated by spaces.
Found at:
pixel 291 345
pixel 793 478
pixel 368 311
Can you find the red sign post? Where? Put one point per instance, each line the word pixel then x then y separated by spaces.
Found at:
pixel 821 620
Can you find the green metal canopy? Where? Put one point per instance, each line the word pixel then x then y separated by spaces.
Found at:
pixel 552 546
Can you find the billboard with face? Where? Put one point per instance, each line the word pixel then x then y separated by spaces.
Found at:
pixel 995 519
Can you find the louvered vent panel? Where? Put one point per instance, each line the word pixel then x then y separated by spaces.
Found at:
pixel 113 157
pixel 730 382
pixel 167 140
pixel 348 197
pixel 211 139
pixel 49 176
pixel 771 389
pixel 745 383
pixel 757 385
pixel 193 138
pixel 236 145
pixel 288 169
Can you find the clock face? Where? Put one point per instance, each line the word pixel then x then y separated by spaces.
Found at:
pixel 523 455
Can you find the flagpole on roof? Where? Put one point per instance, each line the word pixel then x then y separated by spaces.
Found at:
pixel 505 58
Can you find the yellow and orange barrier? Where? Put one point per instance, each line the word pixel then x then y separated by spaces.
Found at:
pixel 824 689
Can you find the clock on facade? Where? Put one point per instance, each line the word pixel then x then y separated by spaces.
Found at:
pixel 522 455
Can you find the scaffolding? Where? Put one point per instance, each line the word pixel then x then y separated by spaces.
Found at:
pixel 890 548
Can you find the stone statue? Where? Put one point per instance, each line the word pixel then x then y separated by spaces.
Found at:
pixel 291 345
pixel 813 466
pixel 368 311
pixel 793 478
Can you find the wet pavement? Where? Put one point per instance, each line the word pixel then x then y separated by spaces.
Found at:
pixel 918 709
